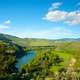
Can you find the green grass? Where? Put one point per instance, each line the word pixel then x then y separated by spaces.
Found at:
pixel 66 57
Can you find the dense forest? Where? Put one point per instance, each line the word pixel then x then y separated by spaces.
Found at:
pixel 54 60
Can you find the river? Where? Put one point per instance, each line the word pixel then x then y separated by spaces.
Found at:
pixel 25 59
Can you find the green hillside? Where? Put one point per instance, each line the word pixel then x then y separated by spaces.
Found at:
pixel 34 41
pixel 54 58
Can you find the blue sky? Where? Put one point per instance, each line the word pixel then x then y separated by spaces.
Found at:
pixel 51 19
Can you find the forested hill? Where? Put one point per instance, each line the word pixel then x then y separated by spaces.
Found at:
pixel 10 41
pixel 9 53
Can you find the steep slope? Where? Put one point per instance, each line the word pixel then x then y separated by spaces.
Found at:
pixel 13 39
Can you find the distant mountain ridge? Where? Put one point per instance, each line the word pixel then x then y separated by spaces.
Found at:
pixel 69 39
pixel 33 41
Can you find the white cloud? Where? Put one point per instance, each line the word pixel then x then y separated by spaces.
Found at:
pixel 5 25
pixel 2 27
pixel 7 22
pixel 71 18
pixel 55 5
pixel 55 15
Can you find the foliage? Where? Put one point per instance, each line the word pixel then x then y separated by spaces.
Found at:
pixel 8 58
pixel 54 60
pixel 40 67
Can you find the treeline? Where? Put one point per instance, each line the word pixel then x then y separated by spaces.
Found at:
pixel 8 56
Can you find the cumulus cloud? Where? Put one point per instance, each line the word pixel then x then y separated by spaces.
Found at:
pixel 2 27
pixel 55 5
pixel 7 22
pixel 55 15
pixel 71 18
pixel 5 25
